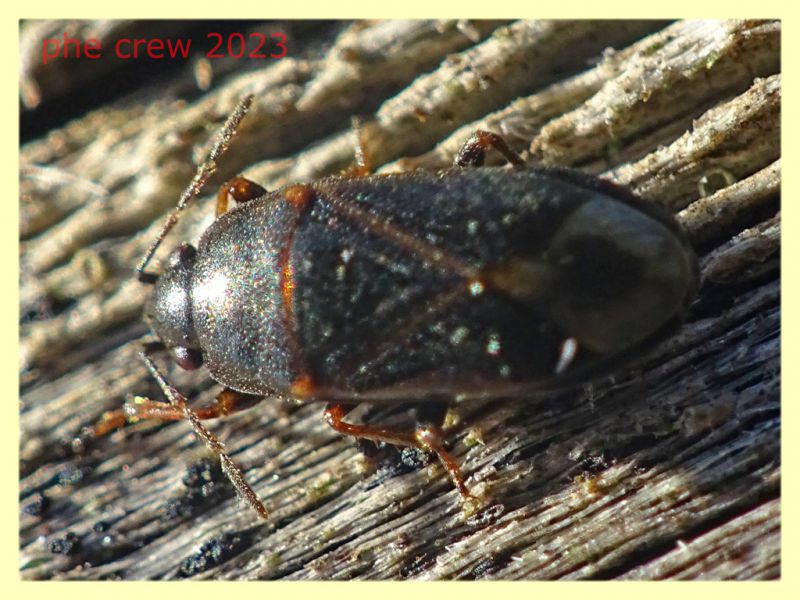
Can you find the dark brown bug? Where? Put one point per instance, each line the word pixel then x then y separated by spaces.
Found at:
pixel 415 287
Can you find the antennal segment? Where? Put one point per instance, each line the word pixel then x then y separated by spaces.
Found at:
pixel 231 470
pixel 204 171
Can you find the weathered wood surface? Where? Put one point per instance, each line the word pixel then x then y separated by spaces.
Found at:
pixel 670 469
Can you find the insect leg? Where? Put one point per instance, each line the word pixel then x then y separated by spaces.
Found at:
pixel 427 437
pixel 231 470
pixel 240 189
pixel 366 447
pixel 430 419
pixel 473 152
pixel 227 402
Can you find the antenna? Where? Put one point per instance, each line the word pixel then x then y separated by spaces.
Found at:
pixel 204 172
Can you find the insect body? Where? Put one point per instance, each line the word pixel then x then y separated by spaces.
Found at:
pixel 411 286
pixel 419 287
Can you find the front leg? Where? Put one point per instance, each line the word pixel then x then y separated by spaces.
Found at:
pixel 227 402
pixel 240 189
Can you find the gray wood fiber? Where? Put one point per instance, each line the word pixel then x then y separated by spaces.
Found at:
pixel 669 469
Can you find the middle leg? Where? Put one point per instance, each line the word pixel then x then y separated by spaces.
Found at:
pixel 428 436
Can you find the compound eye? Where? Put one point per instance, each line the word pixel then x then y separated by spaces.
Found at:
pixel 182 255
pixel 187 358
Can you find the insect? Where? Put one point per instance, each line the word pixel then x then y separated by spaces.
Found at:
pixel 414 287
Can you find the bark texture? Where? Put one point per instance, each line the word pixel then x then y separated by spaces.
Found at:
pixel 668 469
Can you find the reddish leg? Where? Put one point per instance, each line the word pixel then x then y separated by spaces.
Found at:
pixel 427 437
pixel 227 402
pixel 240 189
pixel 473 152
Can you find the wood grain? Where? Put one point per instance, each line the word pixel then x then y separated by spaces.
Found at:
pixel 669 469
